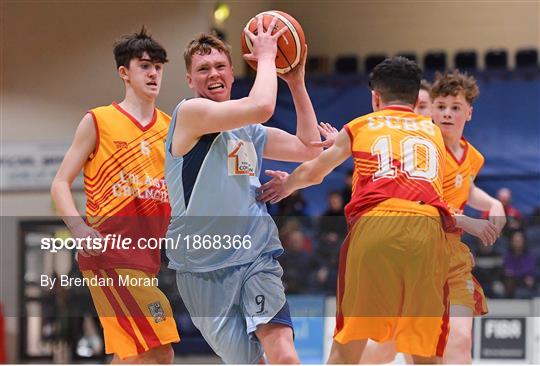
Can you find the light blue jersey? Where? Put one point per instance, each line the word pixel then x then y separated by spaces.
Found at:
pixel 216 219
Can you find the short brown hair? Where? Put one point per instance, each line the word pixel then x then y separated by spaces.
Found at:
pixel 425 85
pixel 202 45
pixel 454 83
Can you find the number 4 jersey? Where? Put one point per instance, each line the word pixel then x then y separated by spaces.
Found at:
pixel 397 154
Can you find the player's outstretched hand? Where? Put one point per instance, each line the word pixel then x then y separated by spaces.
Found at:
pixel 329 133
pixel 297 74
pixel 482 229
pixel 85 231
pixel 264 42
pixel 497 216
pixel 275 189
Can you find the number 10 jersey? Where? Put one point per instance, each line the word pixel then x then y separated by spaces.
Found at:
pixel 397 154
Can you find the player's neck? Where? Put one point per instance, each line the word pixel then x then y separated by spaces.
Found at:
pixel 454 145
pixel 140 108
pixel 395 104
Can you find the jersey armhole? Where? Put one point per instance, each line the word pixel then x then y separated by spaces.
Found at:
pixel 172 130
pixel 349 132
pixel 96 148
pixel 477 160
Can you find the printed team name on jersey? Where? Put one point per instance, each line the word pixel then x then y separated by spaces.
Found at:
pixel 132 185
pixel 241 158
pixel 396 123
pixel 144 146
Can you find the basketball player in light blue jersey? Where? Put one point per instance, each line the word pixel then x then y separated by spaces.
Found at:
pixel 227 271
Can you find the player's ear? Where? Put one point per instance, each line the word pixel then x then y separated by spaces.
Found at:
pixel 189 80
pixel 469 116
pixel 123 73
pixel 375 101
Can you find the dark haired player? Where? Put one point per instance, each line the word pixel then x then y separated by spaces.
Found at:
pixel 396 217
pixel 119 147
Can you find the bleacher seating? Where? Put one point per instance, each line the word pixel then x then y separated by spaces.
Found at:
pixel 496 59
pixel 466 60
pixel 346 64
pixel 435 61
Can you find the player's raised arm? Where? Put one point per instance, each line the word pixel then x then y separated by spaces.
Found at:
pixel 282 145
pixel 309 173
pixel 210 75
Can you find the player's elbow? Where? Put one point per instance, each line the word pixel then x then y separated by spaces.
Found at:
pixel 266 112
pixel 306 152
pixel 263 111
pixel 306 155
pixel 57 186
pixel 312 152
pixel 54 190
pixel 54 186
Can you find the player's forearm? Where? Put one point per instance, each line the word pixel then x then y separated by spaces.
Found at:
pixel 263 94
pixel 480 200
pixel 305 175
pixel 65 205
pixel 462 221
pixel 306 119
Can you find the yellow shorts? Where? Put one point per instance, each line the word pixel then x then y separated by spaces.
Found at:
pixel 464 288
pixel 135 315
pixel 392 279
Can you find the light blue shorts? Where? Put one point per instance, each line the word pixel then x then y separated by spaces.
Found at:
pixel 228 304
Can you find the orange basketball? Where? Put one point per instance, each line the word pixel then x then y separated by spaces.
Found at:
pixel 290 46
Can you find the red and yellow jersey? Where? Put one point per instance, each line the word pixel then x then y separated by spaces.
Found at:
pixel 459 176
pixel 125 186
pixel 397 154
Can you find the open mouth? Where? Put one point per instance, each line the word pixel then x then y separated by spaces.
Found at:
pixel 152 83
pixel 216 86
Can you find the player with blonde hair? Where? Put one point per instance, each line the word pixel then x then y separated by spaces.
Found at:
pixel 215 148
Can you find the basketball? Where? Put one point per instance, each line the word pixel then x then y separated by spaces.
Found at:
pixel 291 45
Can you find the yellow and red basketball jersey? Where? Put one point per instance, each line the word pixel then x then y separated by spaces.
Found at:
pixel 125 187
pixel 459 175
pixel 397 154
